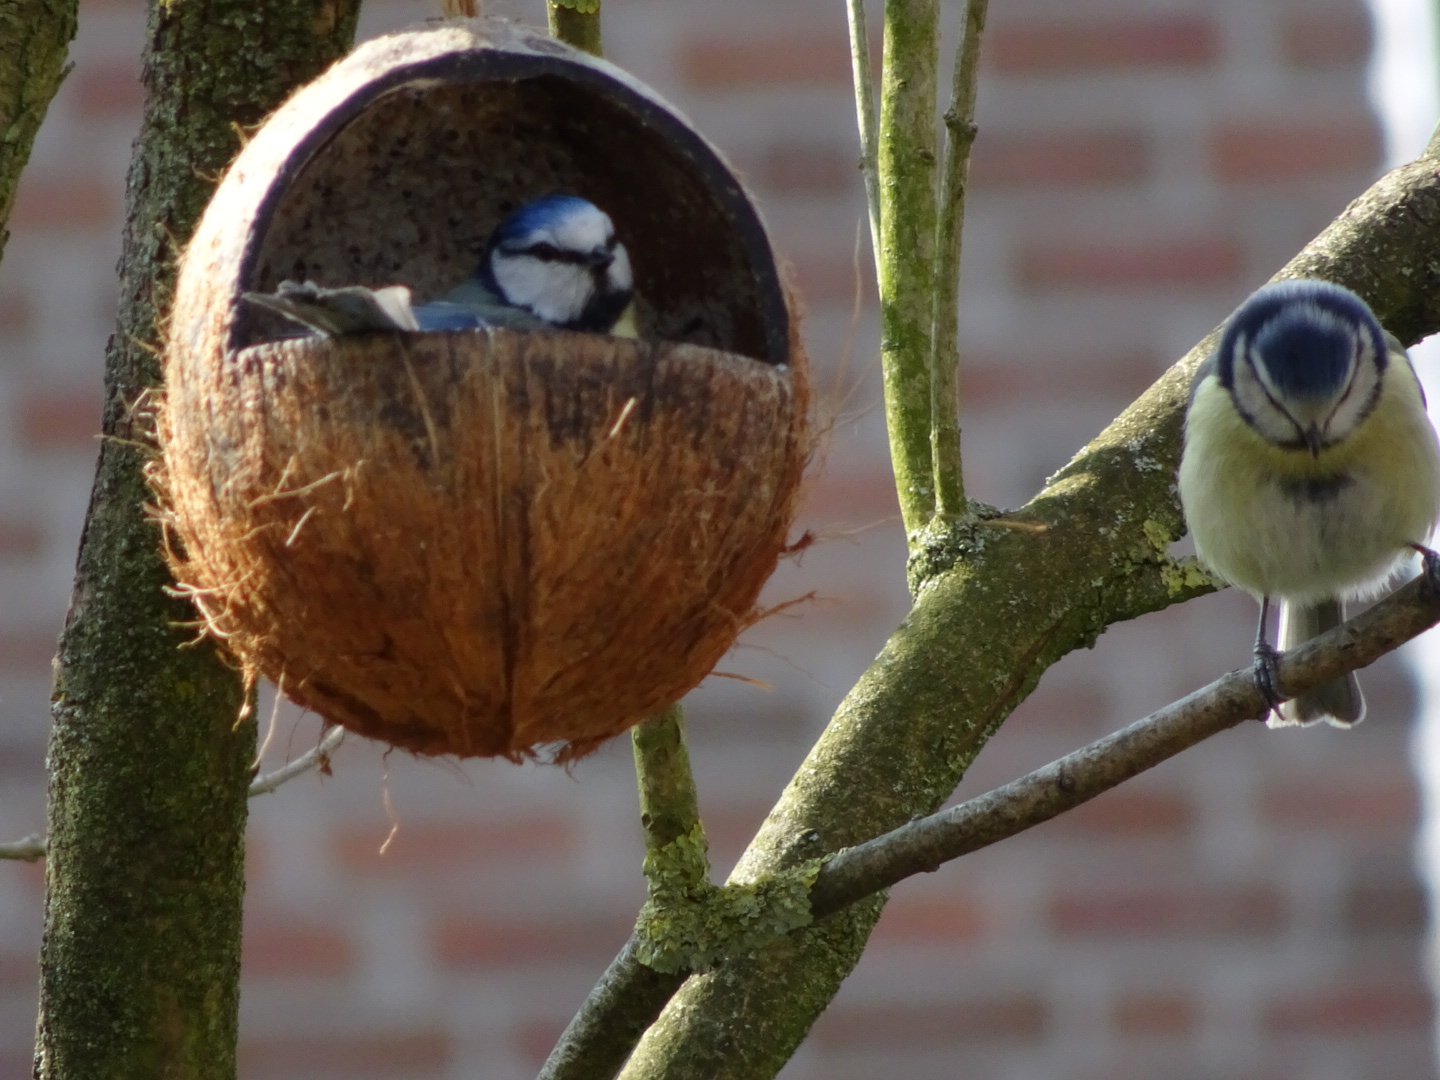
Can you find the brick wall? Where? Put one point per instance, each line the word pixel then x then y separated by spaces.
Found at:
pixel 1249 912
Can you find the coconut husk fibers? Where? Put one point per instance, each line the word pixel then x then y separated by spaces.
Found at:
pixel 481 543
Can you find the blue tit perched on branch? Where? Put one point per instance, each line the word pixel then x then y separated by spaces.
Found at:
pixel 553 264
pixel 1310 470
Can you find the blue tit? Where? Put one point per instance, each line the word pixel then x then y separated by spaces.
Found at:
pixel 1310 470
pixel 553 264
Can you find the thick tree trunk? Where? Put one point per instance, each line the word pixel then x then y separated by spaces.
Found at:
pixel 148 760
pixel 34 39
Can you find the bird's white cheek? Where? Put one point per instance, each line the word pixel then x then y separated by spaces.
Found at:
pixel 556 292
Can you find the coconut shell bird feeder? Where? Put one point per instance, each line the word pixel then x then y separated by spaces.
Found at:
pixel 479 542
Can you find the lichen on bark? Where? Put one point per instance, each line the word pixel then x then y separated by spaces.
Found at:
pixel 34 40
pixel 148 761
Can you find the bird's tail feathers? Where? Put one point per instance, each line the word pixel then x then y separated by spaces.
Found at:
pixel 1338 702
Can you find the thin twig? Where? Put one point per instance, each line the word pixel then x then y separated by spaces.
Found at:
pixel 577 23
pixel 316 757
pixel 669 807
pixel 864 78
pixel 30 849
pixel 945 351
pixel 630 995
pixel 928 842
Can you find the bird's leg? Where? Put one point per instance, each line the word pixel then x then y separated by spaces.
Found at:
pixel 1429 566
pixel 1266 673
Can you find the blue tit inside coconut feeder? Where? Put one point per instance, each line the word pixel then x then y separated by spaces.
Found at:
pixel 499 513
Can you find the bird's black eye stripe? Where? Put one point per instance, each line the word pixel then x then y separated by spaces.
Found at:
pixel 550 253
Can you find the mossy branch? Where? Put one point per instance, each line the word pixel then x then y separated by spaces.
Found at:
pixel 635 987
pixel 945 350
pixel 998 601
pixel 924 844
pixel 148 762
pixel 577 23
pixel 35 36
pixel 906 158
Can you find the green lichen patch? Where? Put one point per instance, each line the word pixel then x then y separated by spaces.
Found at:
pixel 688 924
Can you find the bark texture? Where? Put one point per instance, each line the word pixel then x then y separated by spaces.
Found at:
pixel 35 36
pixel 148 763
pixel 995 606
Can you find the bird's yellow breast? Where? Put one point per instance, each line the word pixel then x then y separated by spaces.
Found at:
pixel 1286 523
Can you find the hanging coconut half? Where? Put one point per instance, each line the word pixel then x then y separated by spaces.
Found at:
pixel 491 541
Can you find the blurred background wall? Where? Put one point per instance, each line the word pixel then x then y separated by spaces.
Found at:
pixel 1248 912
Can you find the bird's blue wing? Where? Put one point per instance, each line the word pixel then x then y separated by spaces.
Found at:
pixel 472 306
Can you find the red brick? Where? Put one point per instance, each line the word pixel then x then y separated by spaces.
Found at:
pixel 283 949
pixel 441 846
pixel 1250 153
pixel 727 63
pixel 60 419
pixel 16 314
pixel 1071 46
pixel 1387 908
pixel 29 652
pixel 534 1039
pixel 851 495
pixel 1074 710
pixel 19 971
pixel 20 539
pixel 1326 40
pixel 1152 1013
pixel 54 202
pixel 832 276
pixel 109 91
pixel 1141 912
pixel 1180 261
pixel 1122 813
pixel 815 169
pixel 1095 159
pixel 988 379
pixel 1023 1016
pixel 1351 1008
pixel 346 1055
pixel 1341 803
pixel 471 942
pixel 945 921
pixel 730 830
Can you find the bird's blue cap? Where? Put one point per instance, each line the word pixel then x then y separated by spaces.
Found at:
pixel 542 213
pixel 1302 331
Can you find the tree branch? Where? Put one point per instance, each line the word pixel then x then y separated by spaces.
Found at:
pixel 907 245
pixel 576 22
pixel 36 35
pixel 630 995
pixel 994 608
pixel 922 845
pixel 863 76
pixel 28 849
pixel 945 352
pixel 317 757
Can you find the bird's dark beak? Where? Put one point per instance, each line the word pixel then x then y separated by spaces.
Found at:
pixel 1312 440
